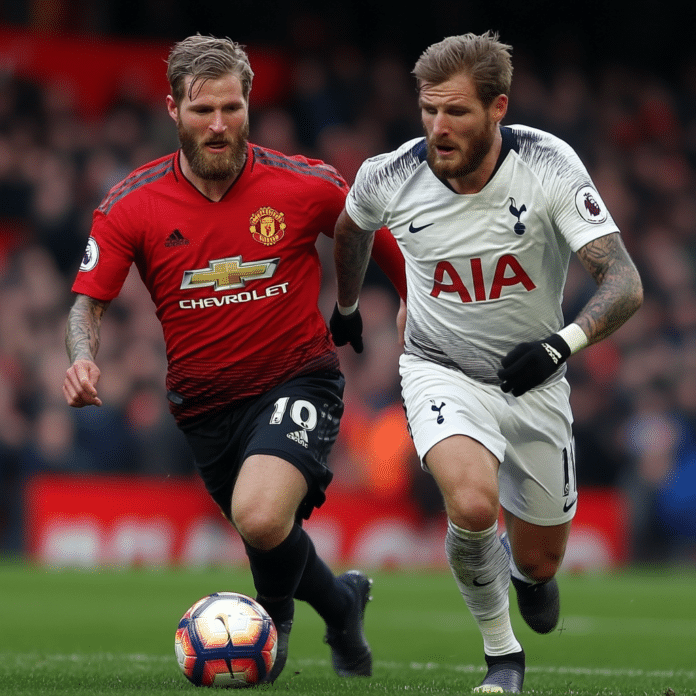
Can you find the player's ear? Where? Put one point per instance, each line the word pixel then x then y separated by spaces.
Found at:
pixel 172 108
pixel 499 107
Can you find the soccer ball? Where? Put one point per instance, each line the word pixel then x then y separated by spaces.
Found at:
pixel 226 639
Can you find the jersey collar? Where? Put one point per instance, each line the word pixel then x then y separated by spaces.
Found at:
pixel 180 176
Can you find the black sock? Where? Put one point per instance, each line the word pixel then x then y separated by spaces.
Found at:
pixel 517 657
pixel 278 572
pixel 327 595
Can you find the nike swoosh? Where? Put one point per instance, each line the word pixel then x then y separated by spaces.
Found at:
pixel 413 229
pixel 476 583
pixel 567 506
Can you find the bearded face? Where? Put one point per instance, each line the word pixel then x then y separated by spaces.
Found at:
pixel 212 121
pixel 462 157
pixel 214 157
pixel 460 130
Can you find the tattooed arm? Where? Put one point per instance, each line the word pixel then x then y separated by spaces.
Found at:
pixel 352 247
pixel 619 293
pixel 82 343
pixel 618 296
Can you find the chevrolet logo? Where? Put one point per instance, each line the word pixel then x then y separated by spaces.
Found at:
pixel 230 273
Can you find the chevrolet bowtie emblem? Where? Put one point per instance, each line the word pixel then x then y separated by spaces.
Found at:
pixel 230 273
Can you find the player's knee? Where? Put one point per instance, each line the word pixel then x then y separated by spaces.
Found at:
pixel 539 565
pixel 260 528
pixel 473 510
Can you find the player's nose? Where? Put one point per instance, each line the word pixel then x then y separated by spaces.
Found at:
pixel 217 123
pixel 440 124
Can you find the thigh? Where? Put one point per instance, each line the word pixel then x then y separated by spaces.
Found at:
pixel 299 424
pixel 269 483
pixel 537 475
pixel 265 499
pixel 467 476
pixel 442 403
pixel 296 423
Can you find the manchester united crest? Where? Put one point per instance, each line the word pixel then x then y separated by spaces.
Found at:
pixel 267 226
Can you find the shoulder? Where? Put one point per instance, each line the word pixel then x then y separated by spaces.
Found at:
pixel 545 153
pixel 566 184
pixel 401 162
pixel 136 180
pixel 528 139
pixel 391 170
pixel 297 166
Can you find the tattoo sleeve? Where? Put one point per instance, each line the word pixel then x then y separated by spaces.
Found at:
pixel 352 247
pixel 619 293
pixel 83 328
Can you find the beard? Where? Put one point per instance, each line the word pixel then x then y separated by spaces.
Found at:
pixel 215 166
pixel 479 146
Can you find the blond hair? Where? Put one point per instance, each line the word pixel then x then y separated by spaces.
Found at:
pixel 483 57
pixel 206 58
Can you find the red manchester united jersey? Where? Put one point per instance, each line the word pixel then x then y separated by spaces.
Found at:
pixel 235 282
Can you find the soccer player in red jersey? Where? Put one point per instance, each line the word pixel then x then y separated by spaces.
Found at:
pixel 223 234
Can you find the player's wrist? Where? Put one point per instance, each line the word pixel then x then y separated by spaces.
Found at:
pixel 557 350
pixel 347 311
pixel 574 337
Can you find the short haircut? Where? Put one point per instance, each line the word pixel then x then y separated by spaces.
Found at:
pixel 483 57
pixel 206 58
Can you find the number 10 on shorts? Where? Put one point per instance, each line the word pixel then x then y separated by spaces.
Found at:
pixel 302 412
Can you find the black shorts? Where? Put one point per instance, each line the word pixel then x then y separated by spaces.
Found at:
pixel 296 421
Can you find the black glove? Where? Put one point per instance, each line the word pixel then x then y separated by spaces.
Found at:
pixel 529 364
pixel 347 329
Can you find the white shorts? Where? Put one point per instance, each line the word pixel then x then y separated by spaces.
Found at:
pixel 531 436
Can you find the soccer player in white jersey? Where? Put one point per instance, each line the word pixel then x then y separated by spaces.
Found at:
pixel 487 216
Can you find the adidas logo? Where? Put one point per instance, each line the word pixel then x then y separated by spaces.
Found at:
pixel 175 239
pixel 300 437
pixel 553 353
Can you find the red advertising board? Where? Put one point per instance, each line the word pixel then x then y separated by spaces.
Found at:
pixel 127 521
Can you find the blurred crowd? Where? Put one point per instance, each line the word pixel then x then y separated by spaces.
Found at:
pixel 634 395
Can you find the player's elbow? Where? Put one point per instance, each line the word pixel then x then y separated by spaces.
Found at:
pixel 347 229
pixel 634 296
pixel 638 294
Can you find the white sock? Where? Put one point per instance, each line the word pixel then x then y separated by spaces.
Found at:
pixel 481 570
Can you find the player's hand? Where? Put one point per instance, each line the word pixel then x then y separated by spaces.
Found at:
pixel 530 364
pixel 347 329
pixel 80 384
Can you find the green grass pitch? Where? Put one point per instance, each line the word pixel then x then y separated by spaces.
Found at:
pixel 112 631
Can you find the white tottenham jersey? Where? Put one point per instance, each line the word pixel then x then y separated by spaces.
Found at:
pixel 484 271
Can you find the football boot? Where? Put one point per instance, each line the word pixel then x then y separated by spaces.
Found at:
pixel 505 675
pixel 350 653
pixel 283 630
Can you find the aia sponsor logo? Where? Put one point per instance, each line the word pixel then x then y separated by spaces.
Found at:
pixel 508 273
